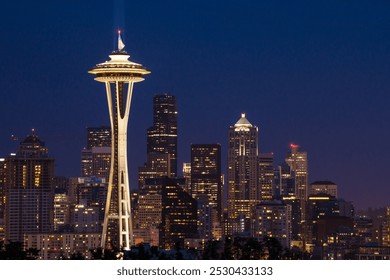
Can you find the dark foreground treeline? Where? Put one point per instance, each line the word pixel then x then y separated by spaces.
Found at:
pixel 229 249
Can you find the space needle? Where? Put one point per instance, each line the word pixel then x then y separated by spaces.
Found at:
pixel 119 75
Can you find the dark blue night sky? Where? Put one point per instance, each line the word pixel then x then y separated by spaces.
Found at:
pixel 315 73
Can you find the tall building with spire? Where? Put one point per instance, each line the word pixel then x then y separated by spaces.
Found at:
pixel 29 190
pixel 119 75
pixel 243 179
pixel 162 136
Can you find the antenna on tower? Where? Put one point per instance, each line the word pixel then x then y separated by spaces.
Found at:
pixel 121 45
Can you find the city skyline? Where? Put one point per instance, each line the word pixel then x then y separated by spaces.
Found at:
pixel 309 74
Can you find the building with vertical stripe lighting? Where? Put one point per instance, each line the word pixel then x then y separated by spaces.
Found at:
pixel 243 179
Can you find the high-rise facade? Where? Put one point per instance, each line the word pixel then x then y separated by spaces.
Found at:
pixel 101 162
pixel 386 229
pixel 178 216
pixel 156 166
pixel 60 246
pixel 266 176
pixel 2 198
pixel 297 161
pixel 206 186
pixel 29 190
pixel 98 136
pixel 273 219
pixel 92 192
pixel 284 182
pixel 162 136
pixel 321 206
pixel 187 176
pixel 61 213
pixel 243 179
pixel 149 211
pixel 166 213
pixel 86 162
pixel 96 156
pixel 161 162
pixel 323 187
pixel 119 75
pixel 206 181
pixel 2 186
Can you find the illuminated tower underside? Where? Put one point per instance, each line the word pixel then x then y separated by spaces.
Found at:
pixel 119 74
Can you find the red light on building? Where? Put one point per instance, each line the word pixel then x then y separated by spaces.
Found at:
pixel 294 146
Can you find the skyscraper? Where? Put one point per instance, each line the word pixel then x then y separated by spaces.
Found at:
pixel 119 75
pixel 2 198
pixel 318 207
pixel 284 182
pixel 98 136
pixel 86 162
pixel 149 211
pixel 92 192
pixel 29 190
pixel 273 219
pixel 61 211
pixel 297 161
pixel 96 157
pixel 178 216
pixel 187 176
pixel 206 181
pixel 164 207
pixel 156 166
pixel 206 185
pixel 243 179
pixel 266 176
pixel 386 229
pixel 101 162
pixel 162 136
pixel 2 186
pixel 324 187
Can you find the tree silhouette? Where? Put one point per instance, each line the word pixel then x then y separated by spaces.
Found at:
pixel 32 253
pixel 178 255
pixel 252 250
pixel 138 252
pixel 243 248
pixel 14 251
pixel 228 248
pixel 77 256
pixel 211 250
pixel 107 254
pixel 154 251
pixel 275 249
pixel 97 253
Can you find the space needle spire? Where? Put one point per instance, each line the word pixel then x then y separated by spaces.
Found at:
pixel 121 45
pixel 119 75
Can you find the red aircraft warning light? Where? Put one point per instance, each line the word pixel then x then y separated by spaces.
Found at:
pixel 294 146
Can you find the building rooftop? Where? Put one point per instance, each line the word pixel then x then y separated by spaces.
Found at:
pixel 243 121
pixel 32 146
pixel 323 183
